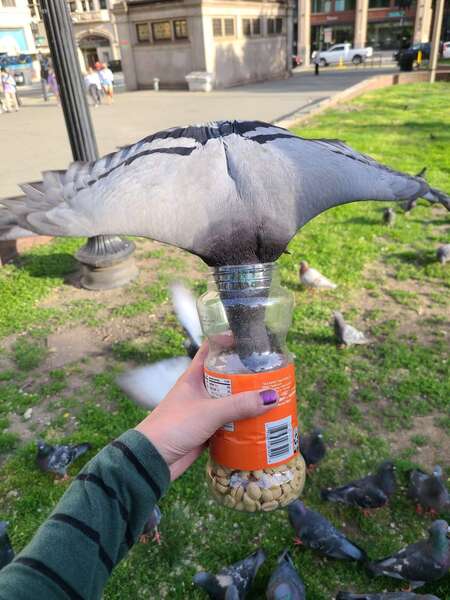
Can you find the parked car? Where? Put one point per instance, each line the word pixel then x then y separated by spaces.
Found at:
pixel 412 52
pixel 333 55
pixel 446 50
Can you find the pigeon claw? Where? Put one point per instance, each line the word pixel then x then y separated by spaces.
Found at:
pixel 310 469
pixel 157 537
pixel 419 509
pixel 144 538
pixel 368 512
pixel 298 541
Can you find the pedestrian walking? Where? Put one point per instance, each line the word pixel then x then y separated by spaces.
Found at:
pixel 9 91
pixel 93 85
pixel 53 84
pixel 316 62
pixel 44 69
pixel 107 81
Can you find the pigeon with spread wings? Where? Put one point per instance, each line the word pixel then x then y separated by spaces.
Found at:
pixel 231 192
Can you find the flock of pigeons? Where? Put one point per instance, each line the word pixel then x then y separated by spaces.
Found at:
pixel 425 561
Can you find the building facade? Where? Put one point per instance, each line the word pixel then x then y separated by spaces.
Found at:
pixel 94 29
pixel 237 41
pixel 382 24
pixel 16 36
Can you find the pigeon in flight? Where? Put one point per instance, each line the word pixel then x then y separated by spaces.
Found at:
pixel 231 192
pixel 428 491
pixel 385 596
pixel 285 582
pixel 312 448
pixel 151 530
pixel 425 561
pixel 316 532
pixel 57 459
pixel 148 385
pixel 443 253
pixel 311 278
pixel 6 549
pixel 346 334
pixel 239 575
pixel 372 491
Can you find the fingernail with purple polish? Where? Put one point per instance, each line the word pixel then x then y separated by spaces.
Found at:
pixel 268 397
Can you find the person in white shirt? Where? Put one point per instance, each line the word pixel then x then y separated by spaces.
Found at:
pixel 94 86
pixel 107 81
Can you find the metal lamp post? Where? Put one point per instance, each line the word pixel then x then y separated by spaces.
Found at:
pixel 107 261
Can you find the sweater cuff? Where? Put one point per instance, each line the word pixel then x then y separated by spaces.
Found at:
pixel 148 456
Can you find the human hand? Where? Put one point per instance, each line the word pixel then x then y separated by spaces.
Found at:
pixel 182 423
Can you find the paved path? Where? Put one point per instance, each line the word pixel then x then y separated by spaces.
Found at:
pixel 34 139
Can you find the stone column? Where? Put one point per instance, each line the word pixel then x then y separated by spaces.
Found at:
pixel 125 34
pixel 362 7
pixel 304 31
pixel 422 24
pixel 289 35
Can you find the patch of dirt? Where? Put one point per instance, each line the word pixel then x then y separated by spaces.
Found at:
pixel 437 449
pixel 71 346
pixel 410 317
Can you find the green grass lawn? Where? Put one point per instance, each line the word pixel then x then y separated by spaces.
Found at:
pixel 387 399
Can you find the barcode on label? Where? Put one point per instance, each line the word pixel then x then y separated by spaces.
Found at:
pixel 279 440
pixel 218 387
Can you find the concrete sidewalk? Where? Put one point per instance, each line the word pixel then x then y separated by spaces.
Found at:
pixel 35 139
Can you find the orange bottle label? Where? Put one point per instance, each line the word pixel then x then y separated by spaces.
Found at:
pixel 265 441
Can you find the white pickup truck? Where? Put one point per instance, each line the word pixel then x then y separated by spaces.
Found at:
pixel 333 55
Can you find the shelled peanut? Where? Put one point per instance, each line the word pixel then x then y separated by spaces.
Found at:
pixel 261 490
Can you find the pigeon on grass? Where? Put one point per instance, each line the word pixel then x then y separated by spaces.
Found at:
pixel 57 459
pixel 370 492
pixel 347 335
pixel 312 448
pixel 239 575
pixel 313 279
pixel 285 582
pixel 6 549
pixel 443 254
pixel 428 491
pixel 425 561
pixel 151 530
pixel 385 596
pixel 316 532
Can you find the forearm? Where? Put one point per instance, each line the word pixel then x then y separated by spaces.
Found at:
pixel 93 526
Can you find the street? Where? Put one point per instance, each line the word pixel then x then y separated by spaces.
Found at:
pixel 35 139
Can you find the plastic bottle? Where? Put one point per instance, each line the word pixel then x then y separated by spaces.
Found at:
pixel 254 464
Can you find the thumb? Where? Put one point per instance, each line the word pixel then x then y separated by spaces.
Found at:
pixel 242 406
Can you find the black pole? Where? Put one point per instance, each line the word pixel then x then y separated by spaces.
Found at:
pixel 106 260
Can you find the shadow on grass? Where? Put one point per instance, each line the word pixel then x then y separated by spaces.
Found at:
pixel 420 258
pixel 56 265
pixel 362 220
pixel 312 339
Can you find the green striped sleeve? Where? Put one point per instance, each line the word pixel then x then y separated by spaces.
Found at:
pixel 95 523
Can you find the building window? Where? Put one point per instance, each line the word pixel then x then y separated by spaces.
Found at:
pixel 223 27
pixel 103 4
pixel 321 6
pixel 274 26
pixel 72 6
pixel 8 2
pixel 161 31
pixel 256 26
pixel 251 27
pixel 379 3
pixel 142 32
pixel 180 29
pixel 340 5
pixel 229 27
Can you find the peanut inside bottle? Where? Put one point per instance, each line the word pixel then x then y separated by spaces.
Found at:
pixel 254 464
